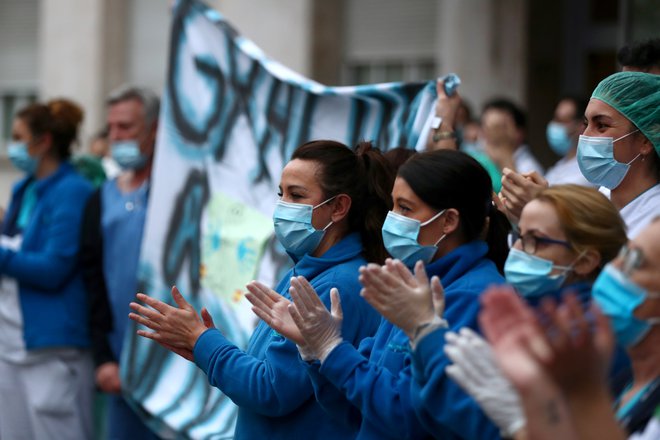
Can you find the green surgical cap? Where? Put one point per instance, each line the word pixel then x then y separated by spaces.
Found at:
pixel 636 96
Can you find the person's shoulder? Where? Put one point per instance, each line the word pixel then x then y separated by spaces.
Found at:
pixel 525 161
pixel 70 185
pixel 483 274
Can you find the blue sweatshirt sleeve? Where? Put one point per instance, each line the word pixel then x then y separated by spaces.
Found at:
pixel 444 409
pixel 58 235
pixel 276 382
pixel 333 400
pixel 382 397
pixel 273 387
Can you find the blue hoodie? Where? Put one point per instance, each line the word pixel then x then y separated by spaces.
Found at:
pixel 393 394
pixel 267 382
pixel 52 295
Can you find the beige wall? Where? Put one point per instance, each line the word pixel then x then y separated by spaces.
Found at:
pixel 71 54
pixel 484 42
pixel 281 28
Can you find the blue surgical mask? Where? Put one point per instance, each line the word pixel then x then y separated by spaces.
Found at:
pixel 618 297
pixel 21 159
pixel 530 275
pixel 128 156
pixel 400 235
pixel 595 156
pixel 558 138
pixel 294 229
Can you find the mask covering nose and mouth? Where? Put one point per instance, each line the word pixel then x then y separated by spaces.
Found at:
pixel 21 159
pixel 596 161
pixel 558 138
pixel 294 229
pixel 400 235
pixel 618 297
pixel 530 275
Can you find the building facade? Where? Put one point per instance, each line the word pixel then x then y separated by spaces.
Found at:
pixel 531 51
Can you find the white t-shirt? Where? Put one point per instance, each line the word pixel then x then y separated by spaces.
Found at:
pixel 651 432
pixel 639 213
pixel 525 162
pixel 566 171
pixel 12 344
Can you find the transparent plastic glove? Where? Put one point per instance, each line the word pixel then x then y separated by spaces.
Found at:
pixel 475 370
pixel 406 300
pixel 320 328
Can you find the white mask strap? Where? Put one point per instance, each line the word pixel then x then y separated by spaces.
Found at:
pixel 440 239
pixel 625 135
pixel 432 218
pixel 323 203
pixel 634 159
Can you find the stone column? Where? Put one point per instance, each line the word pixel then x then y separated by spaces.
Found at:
pixel 81 53
pixel 484 42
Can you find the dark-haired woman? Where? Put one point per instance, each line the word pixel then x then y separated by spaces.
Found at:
pixel 332 203
pixel 442 211
pixel 45 369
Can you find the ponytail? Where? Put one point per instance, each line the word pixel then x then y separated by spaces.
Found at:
pixel 496 237
pixel 376 200
pixel 60 118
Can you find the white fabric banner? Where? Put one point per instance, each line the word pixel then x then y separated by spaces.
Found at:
pixel 230 119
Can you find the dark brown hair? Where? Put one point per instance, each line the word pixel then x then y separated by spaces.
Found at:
pixel 365 176
pixel 60 118
pixel 450 179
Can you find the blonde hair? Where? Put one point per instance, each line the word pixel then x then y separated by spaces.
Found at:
pixel 588 219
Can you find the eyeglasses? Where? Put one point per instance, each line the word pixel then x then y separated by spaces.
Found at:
pixel 631 259
pixel 530 242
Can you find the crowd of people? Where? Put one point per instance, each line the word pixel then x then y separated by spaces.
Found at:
pixel 456 293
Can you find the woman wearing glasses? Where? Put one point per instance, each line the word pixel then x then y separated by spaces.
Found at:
pixel 566 235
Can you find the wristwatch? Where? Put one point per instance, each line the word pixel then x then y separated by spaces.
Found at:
pixel 436 122
pixel 440 135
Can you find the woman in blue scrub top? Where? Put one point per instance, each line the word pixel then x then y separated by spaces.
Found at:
pixel 332 203
pixel 443 216
pixel 46 376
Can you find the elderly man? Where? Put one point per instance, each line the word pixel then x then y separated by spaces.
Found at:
pixel 111 240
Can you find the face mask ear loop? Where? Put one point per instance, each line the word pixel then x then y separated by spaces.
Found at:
pixel 634 158
pixel 439 240
pixel 323 203
pixel 432 218
pixel 625 136
pixel 571 266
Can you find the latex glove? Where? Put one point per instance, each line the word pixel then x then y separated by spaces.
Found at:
pixel 408 301
pixel 475 370
pixel 320 329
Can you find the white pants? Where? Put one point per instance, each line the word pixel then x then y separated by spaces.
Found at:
pixel 50 397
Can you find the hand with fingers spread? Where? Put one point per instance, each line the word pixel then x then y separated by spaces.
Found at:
pixel 580 350
pixel 320 329
pixel 273 309
pixel 558 370
pixel 406 300
pixel 176 329
pixel 475 370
